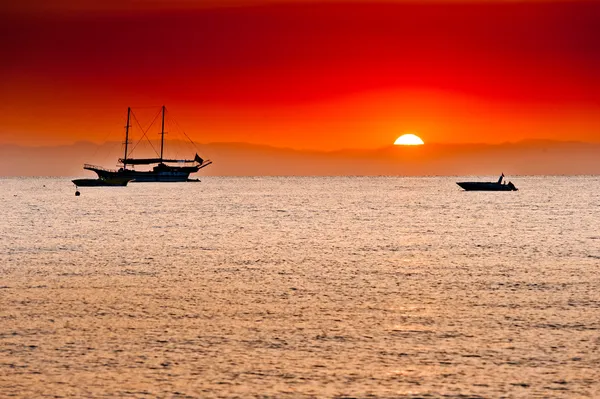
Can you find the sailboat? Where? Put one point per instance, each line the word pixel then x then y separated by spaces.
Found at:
pixel 163 171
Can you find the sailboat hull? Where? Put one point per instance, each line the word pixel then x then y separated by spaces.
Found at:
pixel 172 175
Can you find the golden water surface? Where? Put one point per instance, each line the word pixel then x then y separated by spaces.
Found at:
pixel 300 288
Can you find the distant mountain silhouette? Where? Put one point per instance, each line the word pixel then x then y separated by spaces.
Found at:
pixel 531 157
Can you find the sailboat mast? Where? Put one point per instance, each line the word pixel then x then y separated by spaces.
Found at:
pixel 126 137
pixel 162 134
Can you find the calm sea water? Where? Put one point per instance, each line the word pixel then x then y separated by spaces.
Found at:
pixel 300 287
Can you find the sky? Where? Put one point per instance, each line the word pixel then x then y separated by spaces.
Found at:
pixel 309 75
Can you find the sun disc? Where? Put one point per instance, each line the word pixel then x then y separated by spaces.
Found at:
pixel 408 139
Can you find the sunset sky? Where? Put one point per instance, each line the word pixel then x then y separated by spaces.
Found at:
pixel 304 75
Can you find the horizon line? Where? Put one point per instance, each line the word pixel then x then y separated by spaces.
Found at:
pixel 253 144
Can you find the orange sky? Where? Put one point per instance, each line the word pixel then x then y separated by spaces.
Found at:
pixel 324 75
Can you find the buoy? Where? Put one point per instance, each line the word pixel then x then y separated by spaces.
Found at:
pixel 77 193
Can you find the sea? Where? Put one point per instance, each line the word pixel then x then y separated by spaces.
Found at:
pixel 300 287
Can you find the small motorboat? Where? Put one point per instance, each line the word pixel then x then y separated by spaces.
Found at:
pixel 112 182
pixel 488 186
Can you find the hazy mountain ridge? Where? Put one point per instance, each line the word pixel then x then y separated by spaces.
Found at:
pixel 531 157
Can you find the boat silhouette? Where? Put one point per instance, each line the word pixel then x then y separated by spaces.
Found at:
pixel 163 171
pixel 488 186
pixel 100 182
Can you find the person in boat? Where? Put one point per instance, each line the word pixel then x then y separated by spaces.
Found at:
pixel 500 179
pixel 510 185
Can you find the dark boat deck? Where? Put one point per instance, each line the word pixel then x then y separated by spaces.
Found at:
pixel 116 182
pixel 486 186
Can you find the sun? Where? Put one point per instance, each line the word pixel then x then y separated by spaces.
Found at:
pixel 408 139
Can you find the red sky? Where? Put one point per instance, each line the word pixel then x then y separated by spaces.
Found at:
pixel 304 75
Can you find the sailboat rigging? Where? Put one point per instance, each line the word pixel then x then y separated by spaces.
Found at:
pixel 162 172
